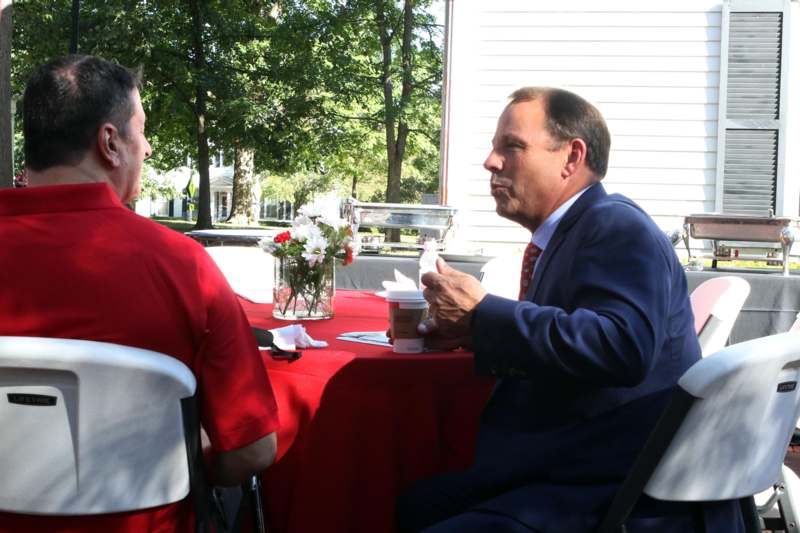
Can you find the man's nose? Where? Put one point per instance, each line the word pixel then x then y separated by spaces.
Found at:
pixel 493 163
pixel 148 151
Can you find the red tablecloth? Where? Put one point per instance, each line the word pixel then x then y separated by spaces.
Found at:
pixel 359 423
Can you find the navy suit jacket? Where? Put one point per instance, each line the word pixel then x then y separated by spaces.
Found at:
pixel 585 364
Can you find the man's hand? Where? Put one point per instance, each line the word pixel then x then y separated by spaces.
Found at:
pixel 452 296
pixel 435 341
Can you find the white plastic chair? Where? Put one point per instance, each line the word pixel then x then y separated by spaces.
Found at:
pixel 796 325
pixel 500 275
pixel 248 269
pixel 716 304
pixel 780 504
pixel 725 432
pixel 91 427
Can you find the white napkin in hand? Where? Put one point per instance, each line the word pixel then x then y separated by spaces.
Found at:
pixel 401 283
pixel 293 337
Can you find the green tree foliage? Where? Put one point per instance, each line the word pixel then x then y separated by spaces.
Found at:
pixel 6 130
pixel 302 84
pixel 383 60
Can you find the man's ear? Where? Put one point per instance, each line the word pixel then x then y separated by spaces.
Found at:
pixel 108 144
pixel 576 156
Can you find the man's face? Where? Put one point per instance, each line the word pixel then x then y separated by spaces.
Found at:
pixel 134 150
pixel 527 165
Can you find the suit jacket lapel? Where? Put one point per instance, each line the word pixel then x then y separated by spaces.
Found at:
pixel 595 193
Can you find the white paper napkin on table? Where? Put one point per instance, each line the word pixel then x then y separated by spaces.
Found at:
pixel 401 283
pixel 293 337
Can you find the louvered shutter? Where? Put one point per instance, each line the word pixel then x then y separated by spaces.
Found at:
pixel 751 107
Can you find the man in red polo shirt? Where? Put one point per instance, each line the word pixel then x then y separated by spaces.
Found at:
pixel 76 263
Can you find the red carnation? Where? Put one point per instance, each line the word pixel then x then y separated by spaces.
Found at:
pixel 282 237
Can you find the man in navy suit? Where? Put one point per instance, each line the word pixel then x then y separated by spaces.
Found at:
pixel 585 360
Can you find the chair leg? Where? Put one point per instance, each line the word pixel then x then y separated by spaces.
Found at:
pixel 783 496
pixel 258 507
pixel 787 512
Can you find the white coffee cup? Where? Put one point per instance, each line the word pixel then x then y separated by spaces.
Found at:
pixel 407 308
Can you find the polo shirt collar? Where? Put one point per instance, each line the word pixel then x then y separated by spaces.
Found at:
pixel 57 198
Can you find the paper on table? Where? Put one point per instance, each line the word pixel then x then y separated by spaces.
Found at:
pixel 378 338
pixel 293 337
pixel 401 283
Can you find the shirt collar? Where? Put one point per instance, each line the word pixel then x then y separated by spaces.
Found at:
pixel 57 198
pixel 541 237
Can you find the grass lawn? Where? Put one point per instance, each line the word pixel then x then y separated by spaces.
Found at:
pixel 762 265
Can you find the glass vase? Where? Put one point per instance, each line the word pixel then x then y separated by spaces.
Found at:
pixel 302 291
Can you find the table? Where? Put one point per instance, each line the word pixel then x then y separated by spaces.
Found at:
pixel 771 308
pixel 231 237
pixel 359 423
pixel 368 271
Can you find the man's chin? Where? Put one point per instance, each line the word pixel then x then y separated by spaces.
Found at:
pixel 501 209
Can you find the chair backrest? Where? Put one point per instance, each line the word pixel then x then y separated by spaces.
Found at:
pixel 716 304
pixel 796 325
pixel 248 269
pixel 732 442
pixel 500 275
pixel 726 431
pixel 90 427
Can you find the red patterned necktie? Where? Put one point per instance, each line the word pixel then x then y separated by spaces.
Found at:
pixel 532 253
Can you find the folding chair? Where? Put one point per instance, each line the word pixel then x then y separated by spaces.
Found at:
pixel 500 275
pixel 779 507
pixel 716 304
pixel 234 504
pixel 92 427
pixel 724 434
pixel 796 324
pixel 248 269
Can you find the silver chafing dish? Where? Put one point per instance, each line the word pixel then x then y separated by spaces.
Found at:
pixel 744 237
pixel 434 221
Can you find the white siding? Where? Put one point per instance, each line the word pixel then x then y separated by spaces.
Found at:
pixel 651 67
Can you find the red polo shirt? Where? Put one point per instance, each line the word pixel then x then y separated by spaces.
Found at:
pixel 78 264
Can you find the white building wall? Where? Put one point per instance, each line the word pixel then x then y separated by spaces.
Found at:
pixel 651 67
pixel 791 205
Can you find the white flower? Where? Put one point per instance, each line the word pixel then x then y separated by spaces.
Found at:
pixel 301 220
pixel 312 209
pixel 355 245
pixel 326 206
pixel 303 228
pixel 334 222
pixel 315 249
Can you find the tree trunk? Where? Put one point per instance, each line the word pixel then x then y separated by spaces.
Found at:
pixel 245 188
pixel 394 121
pixel 6 131
pixel 204 190
pixel 394 171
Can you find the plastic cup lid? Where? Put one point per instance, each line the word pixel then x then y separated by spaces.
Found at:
pixel 405 296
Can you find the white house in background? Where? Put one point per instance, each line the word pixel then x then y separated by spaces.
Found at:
pixel 221 181
pixel 166 207
pixel 695 92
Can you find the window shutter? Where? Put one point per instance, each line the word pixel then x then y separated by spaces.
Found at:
pixel 751 107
